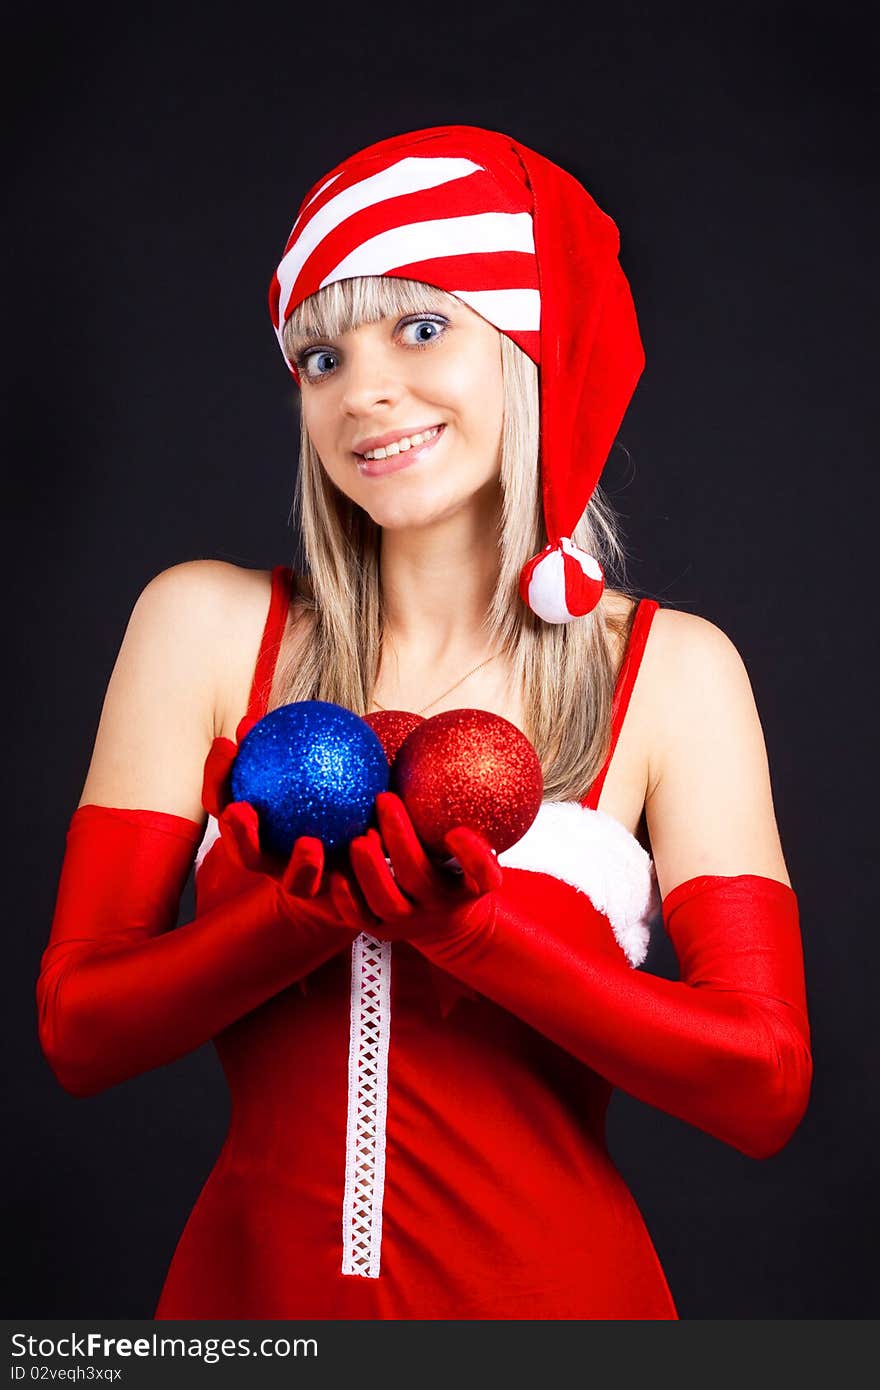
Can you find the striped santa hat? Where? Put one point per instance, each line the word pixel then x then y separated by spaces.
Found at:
pixel 483 217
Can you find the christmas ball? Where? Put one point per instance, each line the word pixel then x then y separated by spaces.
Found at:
pixel 310 768
pixel 392 727
pixel 468 767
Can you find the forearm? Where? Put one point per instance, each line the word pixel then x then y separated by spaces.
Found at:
pixel 118 993
pixel 726 1048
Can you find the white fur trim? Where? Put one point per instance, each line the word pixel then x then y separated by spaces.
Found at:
pixel 597 855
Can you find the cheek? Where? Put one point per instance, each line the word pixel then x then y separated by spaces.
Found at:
pixel 318 425
pixel 487 413
pixel 475 388
pixel 311 419
pixel 320 432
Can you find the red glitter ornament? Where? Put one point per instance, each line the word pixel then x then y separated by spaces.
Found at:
pixel 392 726
pixel 468 767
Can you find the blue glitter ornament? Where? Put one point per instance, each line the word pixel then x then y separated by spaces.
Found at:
pixel 310 768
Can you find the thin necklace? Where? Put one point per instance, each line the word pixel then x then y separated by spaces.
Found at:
pixel 445 692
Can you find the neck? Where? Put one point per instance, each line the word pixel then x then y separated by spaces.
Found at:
pixel 437 585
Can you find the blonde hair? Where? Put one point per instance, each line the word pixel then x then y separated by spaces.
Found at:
pixel 565 672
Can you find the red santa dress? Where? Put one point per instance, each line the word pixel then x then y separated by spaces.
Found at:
pixel 401 1150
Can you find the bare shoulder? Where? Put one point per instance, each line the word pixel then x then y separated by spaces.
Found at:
pixel 687 636
pixel 206 590
pixel 229 605
pixel 191 634
pixel 689 628
pixel 709 804
pixel 689 661
pixel 211 613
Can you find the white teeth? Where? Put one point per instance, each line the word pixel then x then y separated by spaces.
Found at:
pixel 401 445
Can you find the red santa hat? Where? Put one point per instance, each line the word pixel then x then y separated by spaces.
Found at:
pixel 519 240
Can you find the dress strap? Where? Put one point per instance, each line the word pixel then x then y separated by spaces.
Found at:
pixel 626 679
pixel 270 645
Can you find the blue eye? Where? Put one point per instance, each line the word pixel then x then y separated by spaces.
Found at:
pixel 317 363
pixel 425 331
pixel 309 362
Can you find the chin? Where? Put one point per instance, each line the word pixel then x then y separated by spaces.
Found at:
pixel 411 513
pixel 409 520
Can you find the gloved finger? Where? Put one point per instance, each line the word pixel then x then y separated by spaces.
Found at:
pixel 367 858
pixel 245 724
pixel 240 831
pixel 215 782
pixel 349 902
pixel 413 869
pixel 305 867
pixel 482 872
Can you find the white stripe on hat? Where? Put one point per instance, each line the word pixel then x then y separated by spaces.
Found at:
pixel 409 175
pixel 317 193
pixel 517 311
pixel 435 240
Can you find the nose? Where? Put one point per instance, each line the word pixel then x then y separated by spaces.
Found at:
pixel 370 379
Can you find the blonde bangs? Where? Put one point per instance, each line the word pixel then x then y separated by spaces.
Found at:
pixel 344 305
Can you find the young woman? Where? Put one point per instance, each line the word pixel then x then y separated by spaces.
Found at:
pixel 420 1063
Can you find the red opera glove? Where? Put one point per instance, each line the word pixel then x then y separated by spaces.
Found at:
pixel 433 899
pixel 120 993
pixel 725 1048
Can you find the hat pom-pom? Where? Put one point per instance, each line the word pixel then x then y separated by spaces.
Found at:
pixel 562 582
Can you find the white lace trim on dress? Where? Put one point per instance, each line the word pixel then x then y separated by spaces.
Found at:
pixel 369 1038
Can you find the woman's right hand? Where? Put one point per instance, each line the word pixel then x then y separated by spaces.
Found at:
pixel 305 883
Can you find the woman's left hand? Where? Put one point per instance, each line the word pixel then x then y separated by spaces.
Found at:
pixel 414 899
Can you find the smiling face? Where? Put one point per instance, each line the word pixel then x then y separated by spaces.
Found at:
pixel 433 373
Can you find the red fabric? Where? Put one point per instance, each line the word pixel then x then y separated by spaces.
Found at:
pixel 591 351
pixel 725 1048
pixel 626 679
pixel 270 645
pixel 119 992
pixel 419 895
pixel 501 1200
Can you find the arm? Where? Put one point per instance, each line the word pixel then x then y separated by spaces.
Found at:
pixel 727 1046
pixel 118 992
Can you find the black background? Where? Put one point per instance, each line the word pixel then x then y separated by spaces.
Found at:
pixel 155 168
